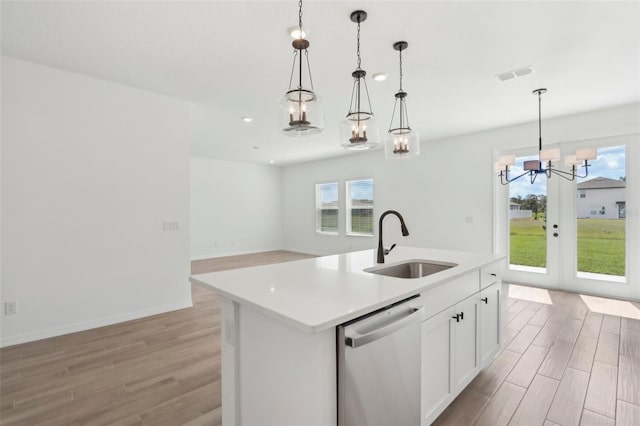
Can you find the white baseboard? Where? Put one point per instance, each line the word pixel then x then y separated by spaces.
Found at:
pixel 87 325
pixel 234 253
pixel 306 251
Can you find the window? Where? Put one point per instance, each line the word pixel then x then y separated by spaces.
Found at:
pixel 327 208
pixel 359 198
pixel 582 193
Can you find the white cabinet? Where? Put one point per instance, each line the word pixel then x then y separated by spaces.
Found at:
pixel 461 339
pixel 449 356
pixel 465 349
pixel 437 364
pixel 489 323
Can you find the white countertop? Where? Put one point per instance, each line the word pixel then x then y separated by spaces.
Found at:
pixel 316 294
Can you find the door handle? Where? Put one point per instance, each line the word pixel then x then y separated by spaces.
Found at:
pixel 485 300
pixel 457 317
pixel 381 332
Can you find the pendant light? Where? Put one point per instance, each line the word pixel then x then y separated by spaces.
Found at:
pixel 401 141
pixel 546 157
pixel 301 109
pixel 359 130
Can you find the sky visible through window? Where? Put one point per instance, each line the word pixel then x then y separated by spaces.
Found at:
pixel 362 191
pixel 329 193
pixel 610 164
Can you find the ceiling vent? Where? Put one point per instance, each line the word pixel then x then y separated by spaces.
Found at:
pixel 520 72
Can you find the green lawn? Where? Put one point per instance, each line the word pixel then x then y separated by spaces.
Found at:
pixel 601 244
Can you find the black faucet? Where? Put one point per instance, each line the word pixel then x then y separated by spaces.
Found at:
pixel 381 250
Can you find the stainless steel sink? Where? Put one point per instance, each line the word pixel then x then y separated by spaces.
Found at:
pixel 411 269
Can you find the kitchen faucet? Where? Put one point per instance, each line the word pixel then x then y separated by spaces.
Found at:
pixel 381 250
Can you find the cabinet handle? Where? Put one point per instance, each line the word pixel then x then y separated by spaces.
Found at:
pixel 485 300
pixel 462 315
pixel 493 275
pixel 457 317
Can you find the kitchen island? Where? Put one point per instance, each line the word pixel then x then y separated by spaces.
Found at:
pixel 279 363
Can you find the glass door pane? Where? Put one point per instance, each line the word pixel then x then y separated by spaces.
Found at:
pixel 601 216
pixel 527 221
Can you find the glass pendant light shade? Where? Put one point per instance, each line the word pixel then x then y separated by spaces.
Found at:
pixel 401 141
pixel 359 129
pixel 301 111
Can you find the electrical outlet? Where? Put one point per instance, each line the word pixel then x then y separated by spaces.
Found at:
pixel 170 226
pixel 10 308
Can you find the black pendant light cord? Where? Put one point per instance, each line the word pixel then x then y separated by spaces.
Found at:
pixel 539 121
pixel 296 51
pixel 358 45
pixel 400 50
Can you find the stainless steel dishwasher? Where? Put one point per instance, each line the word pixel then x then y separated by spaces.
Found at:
pixel 379 366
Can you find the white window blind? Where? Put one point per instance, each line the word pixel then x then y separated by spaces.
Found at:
pixel 359 196
pixel 327 208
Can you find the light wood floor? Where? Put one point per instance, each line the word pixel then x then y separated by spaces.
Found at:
pixel 561 364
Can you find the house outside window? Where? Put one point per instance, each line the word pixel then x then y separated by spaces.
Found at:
pixel 327 208
pixel 582 193
pixel 359 203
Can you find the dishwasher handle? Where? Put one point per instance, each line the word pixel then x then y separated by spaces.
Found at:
pixel 363 339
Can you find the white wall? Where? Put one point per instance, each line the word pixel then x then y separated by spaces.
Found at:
pixel 90 170
pixel 442 206
pixel 445 194
pixel 235 208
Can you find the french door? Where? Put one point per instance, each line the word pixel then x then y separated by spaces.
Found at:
pixel 572 235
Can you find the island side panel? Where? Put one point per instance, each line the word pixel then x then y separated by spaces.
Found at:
pixel 229 368
pixel 287 376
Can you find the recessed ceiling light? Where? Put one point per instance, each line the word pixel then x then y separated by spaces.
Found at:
pixel 380 76
pixel 294 32
pixel 272 161
pixel 247 119
pixel 255 147
pixel 520 72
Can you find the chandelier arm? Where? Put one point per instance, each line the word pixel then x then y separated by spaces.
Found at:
pixel 393 115
pixel 353 91
pixel 406 117
pixel 366 89
pixel 565 175
pixel 586 170
pixel 293 67
pixel 505 174
pixel 306 54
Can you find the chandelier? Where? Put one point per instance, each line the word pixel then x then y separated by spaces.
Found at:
pixel 359 130
pixel 401 140
pixel 544 164
pixel 301 109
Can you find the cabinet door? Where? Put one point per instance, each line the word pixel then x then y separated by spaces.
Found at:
pixel 466 348
pixel 489 323
pixel 437 357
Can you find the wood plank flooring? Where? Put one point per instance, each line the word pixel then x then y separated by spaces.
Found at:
pixel 562 364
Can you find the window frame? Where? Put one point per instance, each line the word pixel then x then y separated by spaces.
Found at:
pixel 349 208
pixel 318 208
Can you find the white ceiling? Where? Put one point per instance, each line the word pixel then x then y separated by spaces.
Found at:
pixel 233 59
